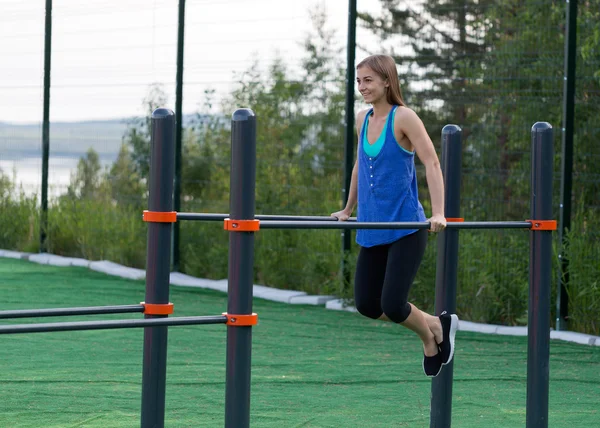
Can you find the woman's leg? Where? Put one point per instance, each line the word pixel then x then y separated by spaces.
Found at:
pixel 417 322
pixel 368 280
pixel 416 325
pixel 434 325
pixel 404 259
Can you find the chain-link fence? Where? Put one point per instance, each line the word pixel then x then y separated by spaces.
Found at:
pixel 494 68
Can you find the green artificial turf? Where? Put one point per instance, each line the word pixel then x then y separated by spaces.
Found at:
pixel 311 367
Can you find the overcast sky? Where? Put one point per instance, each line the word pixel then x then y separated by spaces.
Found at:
pixel 106 53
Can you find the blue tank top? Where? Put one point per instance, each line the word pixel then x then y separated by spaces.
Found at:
pixel 387 187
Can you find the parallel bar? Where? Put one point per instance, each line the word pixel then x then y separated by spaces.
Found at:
pixel 447 269
pixel 241 269
pixel 391 225
pixel 110 324
pixel 326 222
pixel 221 217
pixel 540 269
pixel 58 312
pixel 490 225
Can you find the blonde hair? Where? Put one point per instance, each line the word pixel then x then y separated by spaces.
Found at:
pixel 385 67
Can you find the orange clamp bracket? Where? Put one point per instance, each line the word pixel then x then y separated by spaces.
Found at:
pixel 455 220
pixel 241 225
pixel 160 217
pixel 241 320
pixel 157 309
pixel 542 224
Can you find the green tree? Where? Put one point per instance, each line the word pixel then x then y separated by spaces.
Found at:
pixel 439 48
pixel 206 156
pixel 587 106
pixel 322 150
pixel 6 186
pixel 276 99
pixel 137 135
pixel 440 59
pixel 125 184
pixel 299 151
pixel 522 83
pixel 86 180
pixel 18 216
pixel 300 125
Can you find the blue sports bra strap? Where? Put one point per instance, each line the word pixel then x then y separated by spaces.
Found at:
pixel 365 124
pixel 392 115
pixel 390 124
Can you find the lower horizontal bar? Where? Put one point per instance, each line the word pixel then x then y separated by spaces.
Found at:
pixel 110 324
pixel 391 225
pixel 221 217
pixel 490 225
pixel 56 312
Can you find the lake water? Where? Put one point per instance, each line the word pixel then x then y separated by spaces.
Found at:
pixel 27 173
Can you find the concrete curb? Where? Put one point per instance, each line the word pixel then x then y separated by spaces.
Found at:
pixel 50 259
pixel 115 269
pixel 14 254
pixel 339 305
pixel 176 278
pixel 567 336
pixel 273 294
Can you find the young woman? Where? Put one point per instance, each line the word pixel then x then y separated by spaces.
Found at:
pixel 384 184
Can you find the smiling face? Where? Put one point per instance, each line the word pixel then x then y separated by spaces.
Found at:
pixel 371 85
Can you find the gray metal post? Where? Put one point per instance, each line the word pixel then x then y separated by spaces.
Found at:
pixel 446 268
pixel 540 267
pixel 241 263
pixel 158 266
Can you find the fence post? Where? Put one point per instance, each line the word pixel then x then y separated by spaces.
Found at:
pixel 241 267
pixel 158 264
pixel 349 138
pixel 566 175
pixel 540 267
pixel 46 128
pixel 446 268
pixel 178 133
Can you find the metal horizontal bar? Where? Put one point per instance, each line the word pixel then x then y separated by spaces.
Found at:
pixel 110 324
pixel 490 225
pixel 56 312
pixel 327 222
pixel 268 224
pixel 392 225
pixel 221 217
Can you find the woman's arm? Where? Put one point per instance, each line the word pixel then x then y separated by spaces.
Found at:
pixel 411 125
pixel 352 195
pixel 353 191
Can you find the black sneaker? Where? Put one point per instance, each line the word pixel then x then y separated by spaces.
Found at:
pixel 449 327
pixel 432 366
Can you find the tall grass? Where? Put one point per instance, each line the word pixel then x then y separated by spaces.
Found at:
pixel 97 230
pixel 583 253
pixel 19 221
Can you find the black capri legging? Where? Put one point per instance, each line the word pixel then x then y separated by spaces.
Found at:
pixel 384 275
